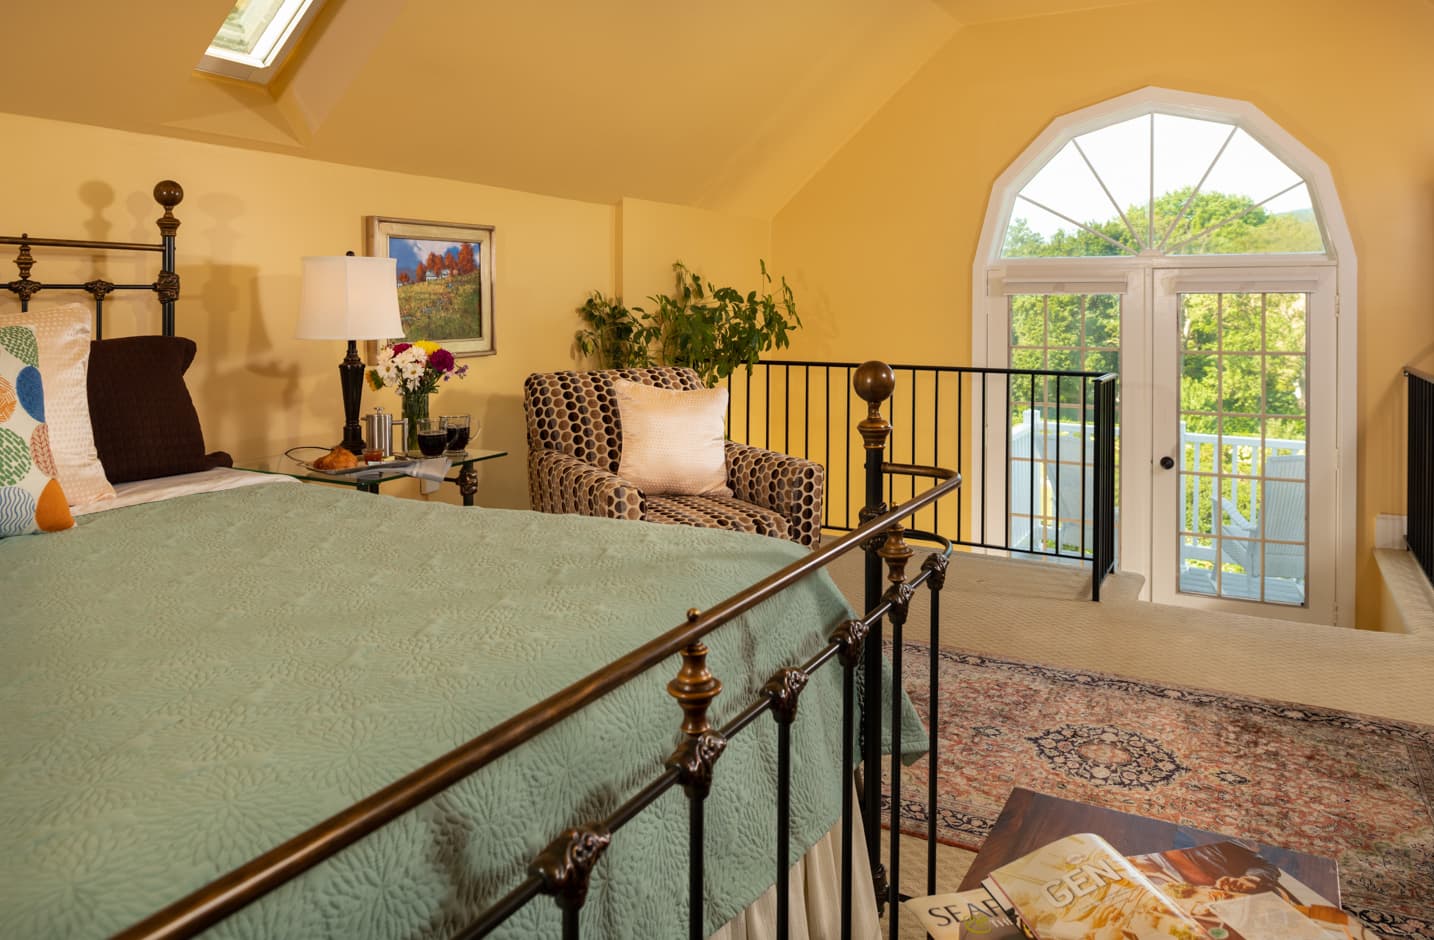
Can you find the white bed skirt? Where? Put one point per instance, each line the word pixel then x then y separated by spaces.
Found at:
pixel 815 892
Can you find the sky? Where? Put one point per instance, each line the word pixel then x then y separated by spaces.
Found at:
pixel 409 251
pixel 1184 148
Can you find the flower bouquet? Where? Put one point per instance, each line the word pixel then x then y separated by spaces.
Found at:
pixel 414 370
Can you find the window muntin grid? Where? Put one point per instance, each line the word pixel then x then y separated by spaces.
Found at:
pixel 1244 501
pixel 1050 467
pixel 1162 184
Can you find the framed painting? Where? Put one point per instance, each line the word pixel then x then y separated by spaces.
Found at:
pixel 445 281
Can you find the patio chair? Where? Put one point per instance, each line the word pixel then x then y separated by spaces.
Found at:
pixel 1283 511
pixel 1025 486
pixel 575 448
pixel 1070 473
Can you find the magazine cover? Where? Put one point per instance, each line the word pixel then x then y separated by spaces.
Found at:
pixel 1080 888
pixel 1229 886
pixel 963 914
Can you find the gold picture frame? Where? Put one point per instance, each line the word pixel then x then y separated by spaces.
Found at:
pixel 445 281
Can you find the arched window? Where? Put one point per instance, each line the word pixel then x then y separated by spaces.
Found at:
pixel 1194 247
pixel 1163 184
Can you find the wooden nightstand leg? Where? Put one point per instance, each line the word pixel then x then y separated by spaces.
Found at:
pixel 467 483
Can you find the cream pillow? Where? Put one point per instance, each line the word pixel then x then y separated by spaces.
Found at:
pixel 673 442
pixel 64 336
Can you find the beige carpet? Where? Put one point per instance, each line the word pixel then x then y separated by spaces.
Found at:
pixel 1042 613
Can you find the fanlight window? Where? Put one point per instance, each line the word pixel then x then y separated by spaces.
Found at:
pixel 1162 184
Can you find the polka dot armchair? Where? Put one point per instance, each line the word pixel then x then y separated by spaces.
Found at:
pixel 575 445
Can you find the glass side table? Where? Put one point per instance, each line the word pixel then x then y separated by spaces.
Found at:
pixel 371 478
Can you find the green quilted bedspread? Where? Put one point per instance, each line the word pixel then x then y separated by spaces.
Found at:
pixel 186 684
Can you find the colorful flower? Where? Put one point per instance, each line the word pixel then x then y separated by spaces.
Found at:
pixel 441 359
pixel 414 367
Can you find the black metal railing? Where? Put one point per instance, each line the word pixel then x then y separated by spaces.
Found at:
pixel 1419 501
pixel 1037 448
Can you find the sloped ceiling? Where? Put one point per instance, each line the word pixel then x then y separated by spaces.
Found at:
pixel 727 106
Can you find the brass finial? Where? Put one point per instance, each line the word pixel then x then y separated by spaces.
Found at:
pixel 873 383
pixel 694 688
pixel 896 553
pixel 169 194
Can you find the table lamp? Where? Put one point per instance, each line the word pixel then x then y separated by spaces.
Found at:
pixel 350 298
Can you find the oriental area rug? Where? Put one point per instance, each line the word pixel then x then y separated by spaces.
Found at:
pixel 1348 787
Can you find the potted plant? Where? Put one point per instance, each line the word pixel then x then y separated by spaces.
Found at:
pixel 711 330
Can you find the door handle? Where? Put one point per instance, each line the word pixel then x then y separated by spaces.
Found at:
pixel 1167 463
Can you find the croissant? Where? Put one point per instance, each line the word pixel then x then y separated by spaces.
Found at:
pixel 340 458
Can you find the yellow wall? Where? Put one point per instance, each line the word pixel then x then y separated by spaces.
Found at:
pixel 724 249
pixel 247 219
pixel 880 244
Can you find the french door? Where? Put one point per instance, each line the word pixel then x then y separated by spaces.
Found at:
pixel 1242 441
pixel 1227 456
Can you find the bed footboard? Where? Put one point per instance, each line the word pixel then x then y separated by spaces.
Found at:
pixel 854 647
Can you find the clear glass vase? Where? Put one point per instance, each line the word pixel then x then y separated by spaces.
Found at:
pixel 415 412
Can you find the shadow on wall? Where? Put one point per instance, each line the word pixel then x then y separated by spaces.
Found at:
pixel 504 481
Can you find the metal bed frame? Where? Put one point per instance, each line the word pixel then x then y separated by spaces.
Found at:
pixel 562 870
pixel 168 194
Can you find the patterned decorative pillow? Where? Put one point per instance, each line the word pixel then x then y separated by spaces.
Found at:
pixel 673 442
pixel 31 499
pixel 64 335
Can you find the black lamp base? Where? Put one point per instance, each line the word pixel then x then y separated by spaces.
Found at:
pixel 351 372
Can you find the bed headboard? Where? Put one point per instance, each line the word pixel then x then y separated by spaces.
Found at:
pixel 168 194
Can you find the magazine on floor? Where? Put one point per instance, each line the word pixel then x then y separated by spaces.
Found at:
pixel 1081 888
pixel 1231 885
pixel 964 914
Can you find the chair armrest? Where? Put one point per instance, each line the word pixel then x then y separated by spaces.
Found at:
pixel 1238 523
pixel 792 486
pixel 561 483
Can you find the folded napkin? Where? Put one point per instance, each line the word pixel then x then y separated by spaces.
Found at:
pixel 430 473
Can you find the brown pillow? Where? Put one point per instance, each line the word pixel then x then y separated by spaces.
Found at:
pixel 144 420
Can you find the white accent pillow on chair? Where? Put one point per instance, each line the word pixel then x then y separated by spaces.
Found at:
pixel 673 442
pixel 64 334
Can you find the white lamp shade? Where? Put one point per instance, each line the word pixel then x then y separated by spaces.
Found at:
pixel 348 297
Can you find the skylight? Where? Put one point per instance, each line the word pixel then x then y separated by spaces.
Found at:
pixel 256 38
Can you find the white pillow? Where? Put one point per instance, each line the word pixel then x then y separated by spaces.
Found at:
pixel 673 442
pixel 63 334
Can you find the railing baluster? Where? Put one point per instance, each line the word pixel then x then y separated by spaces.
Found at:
pixel 1419 479
pixel 896 553
pixel 767 425
pixel 936 564
pixel 850 638
pixel 960 445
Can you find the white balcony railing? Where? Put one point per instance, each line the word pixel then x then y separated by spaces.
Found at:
pixel 1242 515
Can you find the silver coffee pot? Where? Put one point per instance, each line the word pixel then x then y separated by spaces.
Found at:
pixel 378 431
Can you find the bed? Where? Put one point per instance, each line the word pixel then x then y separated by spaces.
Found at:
pixel 217 663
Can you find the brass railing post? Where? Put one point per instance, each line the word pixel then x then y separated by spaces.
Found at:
pixel 694 688
pixel 873 382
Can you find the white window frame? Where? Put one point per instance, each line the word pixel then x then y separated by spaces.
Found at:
pixel 277 41
pixel 994 276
